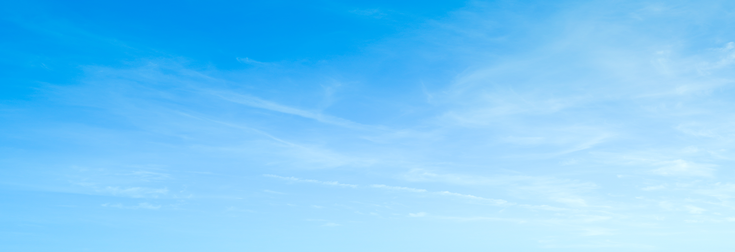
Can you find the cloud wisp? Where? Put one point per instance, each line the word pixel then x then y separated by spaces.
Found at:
pixel 294 179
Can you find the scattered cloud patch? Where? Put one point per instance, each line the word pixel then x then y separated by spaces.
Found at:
pixel 294 179
pixel 273 192
pixel 250 61
pixel 398 188
pixel 694 209
pixel 331 224
pixel 256 102
pixel 653 188
pixel 143 205
pixel 134 192
pixel 473 197
pixel 419 214
pixel 681 167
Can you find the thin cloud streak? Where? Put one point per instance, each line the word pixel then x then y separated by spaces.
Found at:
pixel 294 179
pixel 263 104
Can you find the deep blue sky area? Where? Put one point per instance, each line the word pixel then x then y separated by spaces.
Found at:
pixel 50 40
pixel 367 126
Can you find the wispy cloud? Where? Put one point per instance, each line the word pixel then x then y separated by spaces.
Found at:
pixel 133 192
pixel 247 60
pixel 442 193
pixel 473 197
pixel 399 188
pixel 272 106
pixel 463 219
pixel 683 168
pixel 143 205
pixel 294 179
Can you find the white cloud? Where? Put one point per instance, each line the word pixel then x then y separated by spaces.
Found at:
pixel 399 188
pixel 143 205
pixel 419 214
pixel 256 102
pixel 684 168
pixel 694 209
pixel 597 231
pixel 294 179
pixel 133 192
pixel 571 201
pixel 473 197
pixel 653 188
pixel 273 192
pixel 330 224
pixel 247 60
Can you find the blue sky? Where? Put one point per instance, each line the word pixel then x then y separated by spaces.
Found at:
pixel 367 126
